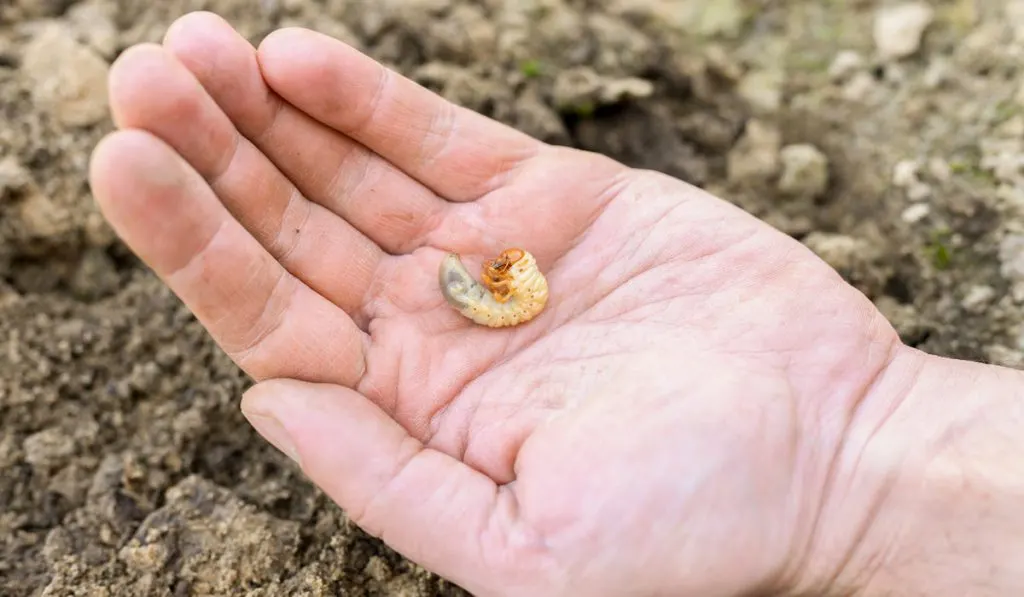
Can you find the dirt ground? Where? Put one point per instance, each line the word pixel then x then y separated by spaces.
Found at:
pixel 125 465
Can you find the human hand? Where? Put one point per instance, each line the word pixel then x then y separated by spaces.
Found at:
pixel 670 424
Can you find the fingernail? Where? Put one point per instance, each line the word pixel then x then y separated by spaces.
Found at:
pixel 272 431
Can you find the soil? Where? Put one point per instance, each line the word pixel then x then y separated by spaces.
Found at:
pixel 125 465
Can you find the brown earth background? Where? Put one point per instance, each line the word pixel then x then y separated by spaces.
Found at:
pixel 887 137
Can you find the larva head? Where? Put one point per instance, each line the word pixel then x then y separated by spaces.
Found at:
pixel 505 260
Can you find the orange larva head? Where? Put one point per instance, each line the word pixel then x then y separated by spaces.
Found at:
pixel 507 258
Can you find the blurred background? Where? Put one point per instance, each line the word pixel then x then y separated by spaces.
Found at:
pixel 887 136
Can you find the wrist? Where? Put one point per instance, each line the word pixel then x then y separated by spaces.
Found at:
pixel 934 459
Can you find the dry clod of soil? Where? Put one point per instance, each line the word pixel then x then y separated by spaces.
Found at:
pixel 899 29
pixel 755 158
pixel 804 171
pixel 844 65
pixel 762 90
pixel 68 78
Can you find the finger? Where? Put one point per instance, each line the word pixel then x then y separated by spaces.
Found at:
pixel 381 201
pixel 426 505
pixel 271 324
pixel 458 153
pixel 152 91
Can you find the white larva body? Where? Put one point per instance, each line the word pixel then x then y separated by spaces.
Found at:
pixel 528 296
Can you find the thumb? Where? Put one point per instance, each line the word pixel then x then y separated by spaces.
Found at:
pixel 424 504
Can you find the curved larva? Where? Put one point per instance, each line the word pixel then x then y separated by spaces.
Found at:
pixel 513 290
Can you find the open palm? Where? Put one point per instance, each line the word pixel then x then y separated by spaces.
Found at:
pixel 654 431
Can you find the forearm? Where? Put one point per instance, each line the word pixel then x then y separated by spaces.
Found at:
pixel 948 461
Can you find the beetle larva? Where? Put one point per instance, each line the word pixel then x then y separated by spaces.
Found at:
pixel 512 291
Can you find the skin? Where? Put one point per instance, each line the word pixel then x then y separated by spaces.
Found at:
pixel 704 407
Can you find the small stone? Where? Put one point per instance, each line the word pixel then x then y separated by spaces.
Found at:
pixel 1004 356
pixel 68 78
pixel 721 18
pixel 804 171
pixel 1012 195
pixel 915 213
pixel 898 29
pixel 48 448
pixel 841 252
pixel 1014 11
pixel 762 90
pixel 977 298
pixel 582 88
pixel 94 24
pixel 904 173
pixel 845 64
pixel 41 217
pixel 860 87
pixel 618 90
pixel 13 176
pixel 937 73
pixel 982 49
pixel 1011 255
pixel 756 155
pixel 1004 158
pixel 919 191
pixel 904 318
pixel 939 169
pixel 722 63
pixel 576 87
pixel 1011 128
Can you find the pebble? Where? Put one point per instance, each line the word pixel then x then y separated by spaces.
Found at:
pixel 977 298
pixel 1014 11
pixel 48 448
pixel 13 176
pixel 1004 158
pixel 41 217
pixel 1005 356
pixel 915 213
pixel 721 18
pixel 1011 128
pixel 939 169
pixel 614 91
pixel 904 173
pixel 898 29
pixel 1012 195
pixel 845 64
pixel 804 171
pixel 1011 256
pixel 582 86
pixel 938 72
pixel 94 24
pixel 860 87
pixel 919 191
pixel 68 78
pixel 762 90
pixel 840 251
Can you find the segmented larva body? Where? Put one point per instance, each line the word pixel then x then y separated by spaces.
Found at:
pixel 512 291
